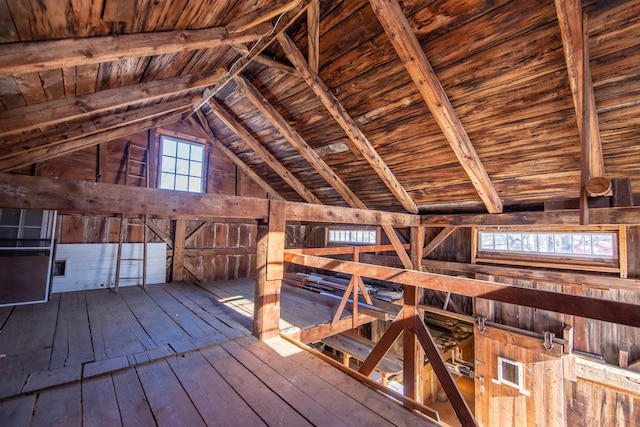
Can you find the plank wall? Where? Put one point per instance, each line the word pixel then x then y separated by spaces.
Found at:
pixel 220 250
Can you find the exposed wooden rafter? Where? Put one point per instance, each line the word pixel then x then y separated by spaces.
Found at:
pixel 408 47
pixel 22 150
pixel 62 147
pixel 575 44
pixel 265 60
pixel 359 142
pixel 202 124
pixel 26 57
pixel 313 36
pixel 261 15
pixel 266 156
pixel 257 48
pixel 281 125
pixel 53 112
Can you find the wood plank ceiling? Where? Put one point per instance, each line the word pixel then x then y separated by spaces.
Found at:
pixel 417 106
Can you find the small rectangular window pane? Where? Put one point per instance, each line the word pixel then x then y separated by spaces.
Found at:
pixel 32 218
pixel 195 169
pixel 168 164
pixel 582 244
pixel 10 217
pixel 529 242
pixel 602 244
pixel 182 167
pixel 500 241
pixel 195 185
pixel 167 181
pixel 183 150
pixel 30 233
pixel 514 242
pixel 9 233
pixel 197 153
pixel 563 243
pixel 169 147
pixel 545 243
pixel 182 183
pixel 486 241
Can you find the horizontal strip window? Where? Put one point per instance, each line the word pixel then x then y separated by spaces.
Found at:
pixel 576 250
pixel 352 236
pixel 588 245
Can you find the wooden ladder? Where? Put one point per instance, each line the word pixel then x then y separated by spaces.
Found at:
pixel 141 172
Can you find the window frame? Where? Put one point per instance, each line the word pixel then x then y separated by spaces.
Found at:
pixel 351 242
pixel 569 261
pixel 188 140
pixel 519 366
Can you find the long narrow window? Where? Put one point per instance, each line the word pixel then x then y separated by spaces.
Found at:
pixel 352 236
pixel 182 165
pixel 578 249
pixel 587 245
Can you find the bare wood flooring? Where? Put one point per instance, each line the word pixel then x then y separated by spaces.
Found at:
pixel 168 355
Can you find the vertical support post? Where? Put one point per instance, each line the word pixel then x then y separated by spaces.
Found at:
pixel 622 255
pixel 413 356
pixel 269 272
pixel 153 161
pixel 178 250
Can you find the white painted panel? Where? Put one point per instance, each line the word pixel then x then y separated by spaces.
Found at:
pixel 93 266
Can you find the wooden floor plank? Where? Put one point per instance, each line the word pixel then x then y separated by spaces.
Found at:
pixel 343 406
pixel 99 404
pixel 114 329
pixel 58 406
pixel 72 340
pixel 216 401
pixel 189 322
pixel 30 327
pixel 276 402
pixel 14 370
pixel 132 403
pixel 17 411
pixel 373 400
pixel 297 395
pixel 169 402
pixel 202 307
pixel 157 324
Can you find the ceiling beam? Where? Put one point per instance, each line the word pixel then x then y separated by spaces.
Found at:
pixel 359 142
pixel 281 125
pixel 271 114
pixel 63 147
pixel 286 20
pixel 592 308
pixel 313 36
pixel 258 16
pixel 27 57
pixel 11 151
pixel 202 125
pixel 52 112
pixel 576 51
pixel 29 192
pixel 600 216
pixel 266 156
pixel 410 51
pixel 267 61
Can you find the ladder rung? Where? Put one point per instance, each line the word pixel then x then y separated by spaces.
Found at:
pixel 136 176
pixel 130 278
pixel 137 147
pixel 131 259
pixel 141 162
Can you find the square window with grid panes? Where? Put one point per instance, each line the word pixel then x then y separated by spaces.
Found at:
pixel 182 165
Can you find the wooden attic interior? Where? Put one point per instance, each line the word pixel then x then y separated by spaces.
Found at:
pixel 436 128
